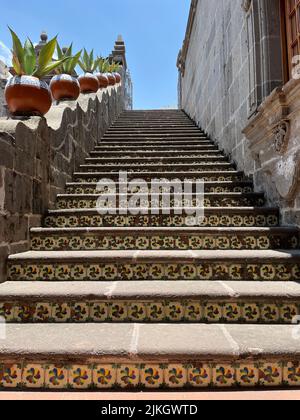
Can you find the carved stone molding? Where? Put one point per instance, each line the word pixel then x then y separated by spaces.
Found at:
pixel 281 136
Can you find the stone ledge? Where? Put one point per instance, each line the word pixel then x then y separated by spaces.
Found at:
pixel 161 343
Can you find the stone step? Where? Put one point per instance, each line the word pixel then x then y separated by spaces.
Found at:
pixel 141 161
pixel 69 201
pixel 213 217
pixel 157 142
pixel 185 176
pixel 151 238
pixel 159 167
pixel 166 149
pixel 151 302
pixel 168 154
pixel 241 265
pixel 146 356
pixel 158 132
pixel 157 125
pixel 209 187
pixel 159 138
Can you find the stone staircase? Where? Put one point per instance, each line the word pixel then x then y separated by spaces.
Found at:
pixel 147 301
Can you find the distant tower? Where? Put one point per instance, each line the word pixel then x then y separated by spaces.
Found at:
pixel 42 43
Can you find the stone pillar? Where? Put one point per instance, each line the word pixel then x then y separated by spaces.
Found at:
pixel 118 55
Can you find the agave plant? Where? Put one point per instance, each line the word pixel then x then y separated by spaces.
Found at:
pixel 25 61
pixel 114 68
pixel 88 64
pixel 67 66
pixel 103 65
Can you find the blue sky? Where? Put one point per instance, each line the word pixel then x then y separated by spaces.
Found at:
pixel 153 31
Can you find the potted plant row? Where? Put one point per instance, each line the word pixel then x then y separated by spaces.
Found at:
pixel 27 94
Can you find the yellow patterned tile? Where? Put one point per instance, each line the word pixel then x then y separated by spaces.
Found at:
pixel 94 272
pixel 99 311
pixel 152 376
pixel 251 312
pixel 213 312
pixel 137 312
pixel 176 376
pixel 291 374
pixel 268 272
pixel 128 376
pixel 118 311
pixel 232 312
pixel 188 272
pixel 270 374
pixel 56 377
pixel 80 377
pixel 270 313
pixel 24 313
pixel 193 312
pixel 63 272
pixel 33 376
pixel 11 375
pixel 109 272
pixel 104 376
pixel 80 312
pixel 247 375
pixel 288 312
pixel 199 376
pixel 61 312
pixel 7 311
pixel 79 272
pixel 43 312
pixel 175 311
pixel 156 312
pixel 223 376
pixel 157 272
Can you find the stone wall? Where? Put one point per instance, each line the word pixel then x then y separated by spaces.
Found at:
pixel 39 155
pixel 230 61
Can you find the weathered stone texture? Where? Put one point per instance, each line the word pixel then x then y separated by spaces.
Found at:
pixel 39 155
pixel 230 63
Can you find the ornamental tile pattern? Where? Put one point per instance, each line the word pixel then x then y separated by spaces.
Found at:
pixel 190 311
pixel 66 376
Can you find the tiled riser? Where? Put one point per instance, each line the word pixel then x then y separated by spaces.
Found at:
pixel 258 220
pixel 164 242
pixel 70 203
pixel 93 190
pixel 162 168
pixel 155 312
pixel 148 375
pixel 135 271
pixel 211 177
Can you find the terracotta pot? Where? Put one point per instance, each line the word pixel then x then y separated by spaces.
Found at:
pixel 111 79
pixel 103 80
pixel 117 77
pixel 64 87
pixel 88 83
pixel 28 96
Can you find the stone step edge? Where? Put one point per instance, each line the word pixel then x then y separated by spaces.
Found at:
pixel 204 302
pixel 48 356
pixel 160 257
pixel 195 194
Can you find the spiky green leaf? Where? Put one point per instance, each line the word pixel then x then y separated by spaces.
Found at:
pixel 45 71
pixel 46 54
pixel 29 57
pixel 18 52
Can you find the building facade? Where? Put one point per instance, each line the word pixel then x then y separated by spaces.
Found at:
pixel 238 79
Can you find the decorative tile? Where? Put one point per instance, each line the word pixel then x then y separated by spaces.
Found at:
pixel 247 375
pixel 56 377
pixel 43 312
pixel 270 313
pixel 61 312
pixel 232 312
pixel 11 375
pixel 270 374
pixel 104 376
pixel 175 376
pixel 152 376
pixel 291 374
pixel 223 376
pixel 33 376
pixel 213 312
pixel 118 312
pixel 250 313
pixel 137 312
pixel 80 312
pixel 200 376
pixel 7 311
pixel 128 376
pixel 99 312
pixel 174 311
pixel 193 312
pixel 80 377
pixel 156 312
